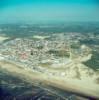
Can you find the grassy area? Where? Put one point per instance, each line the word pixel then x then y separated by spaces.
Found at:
pixel 59 53
pixel 94 61
pixel 75 46
pixel 47 64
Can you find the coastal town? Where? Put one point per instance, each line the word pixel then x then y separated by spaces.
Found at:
pixel 55 58
pixel 49 49
pixel 45 55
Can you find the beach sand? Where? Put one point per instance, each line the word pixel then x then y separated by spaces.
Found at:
pixel 72 85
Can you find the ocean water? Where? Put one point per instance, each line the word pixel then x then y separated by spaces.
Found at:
pixel 12 87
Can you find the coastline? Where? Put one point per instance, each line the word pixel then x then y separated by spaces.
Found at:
pixel 71 85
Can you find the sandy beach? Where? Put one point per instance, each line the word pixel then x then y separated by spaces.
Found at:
pixel 72 85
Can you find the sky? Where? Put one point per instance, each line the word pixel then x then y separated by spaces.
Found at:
pixel 48 10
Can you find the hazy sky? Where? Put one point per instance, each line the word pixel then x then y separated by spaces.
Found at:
pixel 48 10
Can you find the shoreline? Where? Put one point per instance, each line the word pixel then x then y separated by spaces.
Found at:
pixel 67 84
